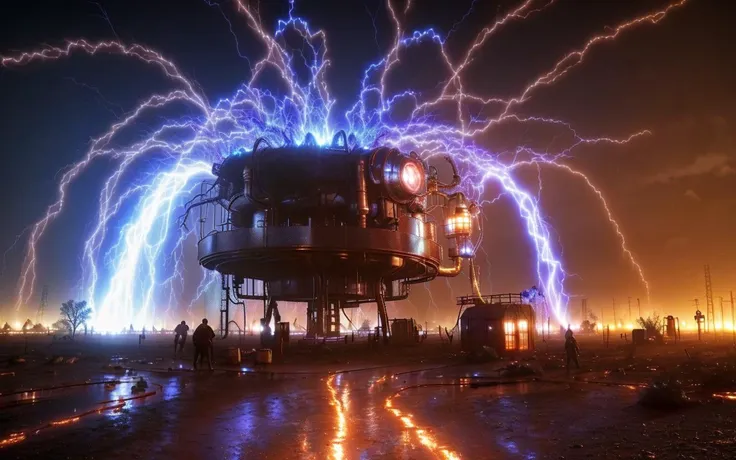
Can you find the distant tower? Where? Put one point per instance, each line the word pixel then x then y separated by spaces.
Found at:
pixel 709 306
pixel 44 303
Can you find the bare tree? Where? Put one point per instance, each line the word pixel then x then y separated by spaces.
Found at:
pixel 587 326
pixel 27 325
pixel 74 314
pixel 653 326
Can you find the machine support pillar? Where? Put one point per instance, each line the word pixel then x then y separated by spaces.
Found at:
pixel 311 318
pixel 382 313
pixel 332 325
pixel 224 306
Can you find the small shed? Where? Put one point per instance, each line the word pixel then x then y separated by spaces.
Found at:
pixel 505 323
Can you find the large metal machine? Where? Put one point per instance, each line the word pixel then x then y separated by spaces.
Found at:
pixel 334 227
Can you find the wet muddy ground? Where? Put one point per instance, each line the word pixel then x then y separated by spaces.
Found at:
pixel 351 401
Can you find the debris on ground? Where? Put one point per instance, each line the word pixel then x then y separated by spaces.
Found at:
pixel 664 394
pixel 484 355
pixel 517 369
pixel 16 361
pixel 139 386
pixel 722 376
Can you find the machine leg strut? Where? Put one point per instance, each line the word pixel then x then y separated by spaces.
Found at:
pixel 382 313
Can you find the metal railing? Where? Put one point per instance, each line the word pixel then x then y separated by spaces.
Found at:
pixel 213 217
pixel 494 299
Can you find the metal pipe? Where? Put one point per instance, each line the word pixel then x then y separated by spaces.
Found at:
pixel 363 209
pixel 455 176
pixel 474 286
pixel 247 181
pixel 372 160
pixel 451 271
pixel 336 138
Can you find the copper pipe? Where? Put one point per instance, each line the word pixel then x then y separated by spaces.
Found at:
pixel 363 209
pixel 451 271
pixel 455 176
pixel 474 281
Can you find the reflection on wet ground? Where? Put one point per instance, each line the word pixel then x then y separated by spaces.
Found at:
pixel 450 412
pixel 58 406
pixel 424 437
pixel 348 415
pixel 340 404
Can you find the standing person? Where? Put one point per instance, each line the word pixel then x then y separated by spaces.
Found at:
pixel 180 338
pixel 571 350
pixel 202 339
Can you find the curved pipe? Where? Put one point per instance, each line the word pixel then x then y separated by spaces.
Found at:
pixel 310 140
pixel 249 172
pixel 455 176
pixel 451 271
pixel 474 281
pixel 336 139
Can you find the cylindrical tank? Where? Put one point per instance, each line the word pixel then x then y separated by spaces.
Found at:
pixel 671 327
pixel 264 356
pixel 233 356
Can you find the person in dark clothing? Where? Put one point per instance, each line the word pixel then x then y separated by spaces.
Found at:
pixel 571 350
pixel 202 339
pixel 181 336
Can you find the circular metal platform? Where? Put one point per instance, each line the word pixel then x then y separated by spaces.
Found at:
pixel 281 253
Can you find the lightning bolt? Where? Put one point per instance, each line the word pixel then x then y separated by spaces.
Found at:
pixel 128 270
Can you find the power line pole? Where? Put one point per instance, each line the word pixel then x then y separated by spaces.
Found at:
pixel 638 303
pixel 615 324
pixel 709 307
pixel 584 310
pixel 43 304
pixel 698 317
pixel 723 319
pixel 733 323
pixel 629 308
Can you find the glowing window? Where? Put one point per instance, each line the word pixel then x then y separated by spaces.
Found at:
pixel 509 329
pixel 523 335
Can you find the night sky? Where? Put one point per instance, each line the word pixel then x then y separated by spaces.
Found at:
pixel 672 192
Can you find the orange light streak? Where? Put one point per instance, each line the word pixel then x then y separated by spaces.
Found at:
pixel 338 451
pixel 15 438
pixel 12 439
pixel 425 438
